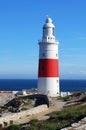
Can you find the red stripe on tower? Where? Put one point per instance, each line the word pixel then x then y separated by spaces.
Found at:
pixel 48 70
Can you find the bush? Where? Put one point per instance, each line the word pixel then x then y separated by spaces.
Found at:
pixel 34 122
pixel 61 119
pixel 66 98
pixel 28 102
pixel 13 127
pixel 23 108
pixel 49 126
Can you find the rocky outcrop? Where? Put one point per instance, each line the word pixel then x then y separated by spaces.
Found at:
pixel 5 98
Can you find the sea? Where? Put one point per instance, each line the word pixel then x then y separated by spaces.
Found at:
pixel 21 84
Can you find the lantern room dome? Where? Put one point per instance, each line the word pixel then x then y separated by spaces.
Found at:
pixel 48 20
pixel 48 23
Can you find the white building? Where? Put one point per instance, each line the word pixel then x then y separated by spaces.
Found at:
pixel 48 71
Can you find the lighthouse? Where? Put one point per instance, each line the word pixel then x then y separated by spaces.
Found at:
pixel 48 70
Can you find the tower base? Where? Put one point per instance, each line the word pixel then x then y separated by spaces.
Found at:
pixel 49 86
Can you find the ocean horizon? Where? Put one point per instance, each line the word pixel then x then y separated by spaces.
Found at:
pixel 66 85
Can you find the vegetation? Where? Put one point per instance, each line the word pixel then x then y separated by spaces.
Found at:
pixel 0 110
pixel 24 108
pixel 67 98
pixel 75 95
pixel 28 101
pixel 60 119
pixel 57 120
pixel 13 127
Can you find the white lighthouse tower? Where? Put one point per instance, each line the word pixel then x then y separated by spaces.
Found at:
pixel 48 71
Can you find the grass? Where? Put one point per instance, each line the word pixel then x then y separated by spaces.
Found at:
pixel 14 127
pixel 24 108
pixel 28 102
pixel 66 98
pixel 61 119
pixel 68 115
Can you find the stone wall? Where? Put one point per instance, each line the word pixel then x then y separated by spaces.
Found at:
pixel 14 117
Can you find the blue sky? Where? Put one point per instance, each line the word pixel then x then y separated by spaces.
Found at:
pixel 21 24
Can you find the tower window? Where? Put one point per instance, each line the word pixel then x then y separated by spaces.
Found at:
pixel 57 81
pixel 53 32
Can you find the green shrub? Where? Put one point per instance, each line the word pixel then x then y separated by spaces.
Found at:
pixel 1 110
pixel 34 122
pixel 66 98
pixel 49 126
pixel 13 127
pixel 23 108
pixel 28 102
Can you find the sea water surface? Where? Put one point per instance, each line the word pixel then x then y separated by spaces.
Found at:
pixel 19 84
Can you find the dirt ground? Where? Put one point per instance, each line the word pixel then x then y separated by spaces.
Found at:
pixel 56 106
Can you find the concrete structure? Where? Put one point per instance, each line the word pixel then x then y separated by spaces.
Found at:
pixel 20 118
pixel 64 94
pixel 48 72
pixel 24 92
